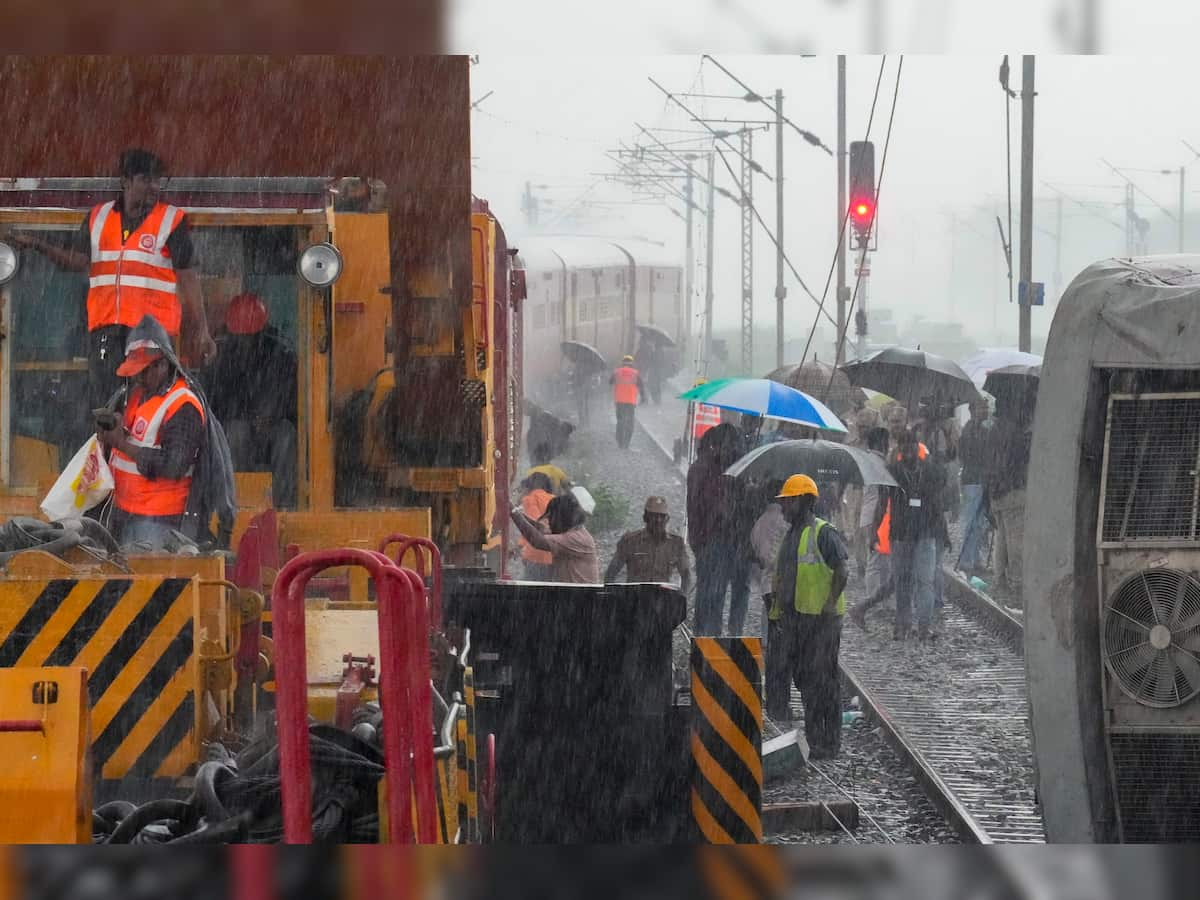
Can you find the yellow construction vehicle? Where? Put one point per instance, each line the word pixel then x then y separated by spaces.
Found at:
pixel 337 193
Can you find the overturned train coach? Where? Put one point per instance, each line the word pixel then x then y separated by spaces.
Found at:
pixel 1112 557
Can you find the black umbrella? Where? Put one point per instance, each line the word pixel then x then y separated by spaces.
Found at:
pixel 657 335
pixel 912 375
pixel 585 356
pixel 1014 385
pixel 821 380
pixel 1008 378
pixel 821 460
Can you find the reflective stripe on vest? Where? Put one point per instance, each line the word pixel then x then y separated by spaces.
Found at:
pixel 625 388
pixel 814 579
pixel 130 278
pixel 705 417
pixel 133 491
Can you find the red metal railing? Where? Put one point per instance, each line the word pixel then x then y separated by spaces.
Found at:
pixel 404 693
pixel 417 545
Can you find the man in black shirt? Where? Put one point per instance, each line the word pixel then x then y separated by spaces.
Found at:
pixel 253 386
pixel 973 448
pixel 916 524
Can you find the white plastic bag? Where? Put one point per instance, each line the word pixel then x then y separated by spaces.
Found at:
pixel 584 496
pixel 85 482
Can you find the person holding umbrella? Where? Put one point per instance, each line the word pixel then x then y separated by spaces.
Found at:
pixel 716 507
pixel 628 392
pixel 805 619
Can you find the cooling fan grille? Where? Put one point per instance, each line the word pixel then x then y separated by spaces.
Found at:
pixel 1152 636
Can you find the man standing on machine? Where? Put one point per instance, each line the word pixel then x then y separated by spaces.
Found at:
pixel 140 260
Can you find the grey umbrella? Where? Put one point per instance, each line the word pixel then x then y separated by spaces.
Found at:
pixel 657 335
pixel 820 460
pixel 585 356
pixel 911 376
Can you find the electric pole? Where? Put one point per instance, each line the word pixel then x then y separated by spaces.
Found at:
pixel 780 290
pixel 708 261
pixel 842 290
pixel 689 262
pixel 1024 339
pixel 1130 222
pixel 529 204
pixel 747 206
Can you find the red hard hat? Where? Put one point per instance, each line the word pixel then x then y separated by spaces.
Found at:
pixel 247 314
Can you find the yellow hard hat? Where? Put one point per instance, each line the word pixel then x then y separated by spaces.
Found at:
pixel 798 486
pixel 626 358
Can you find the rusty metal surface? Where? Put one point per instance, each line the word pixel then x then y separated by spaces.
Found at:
pixel 403 120
pixel 223 26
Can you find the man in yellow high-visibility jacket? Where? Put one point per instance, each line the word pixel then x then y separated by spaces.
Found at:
pixel 805 619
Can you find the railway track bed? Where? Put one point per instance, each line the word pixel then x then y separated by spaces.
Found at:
pixel 956 711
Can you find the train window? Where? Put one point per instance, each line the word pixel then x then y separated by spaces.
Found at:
pixel 539 316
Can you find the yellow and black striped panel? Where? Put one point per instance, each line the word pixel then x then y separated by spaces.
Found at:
pixel 742 873
pixel 473 832
pixel 726 739
pixel 136 637
pixel 462 781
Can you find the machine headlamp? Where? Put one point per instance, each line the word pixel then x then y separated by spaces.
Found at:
pixel 10 261
pixel 321 264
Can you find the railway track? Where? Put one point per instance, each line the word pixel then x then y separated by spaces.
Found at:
pixel 956 712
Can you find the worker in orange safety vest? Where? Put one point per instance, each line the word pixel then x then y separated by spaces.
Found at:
pixel 628 392
pixel 140 260
pixel 153 449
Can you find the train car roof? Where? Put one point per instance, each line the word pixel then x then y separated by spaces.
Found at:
pixel 1142 312
pixel 548 252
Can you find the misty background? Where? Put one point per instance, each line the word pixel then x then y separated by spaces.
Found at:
pixel 545 127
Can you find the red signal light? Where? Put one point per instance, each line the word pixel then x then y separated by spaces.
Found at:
pixel 862 214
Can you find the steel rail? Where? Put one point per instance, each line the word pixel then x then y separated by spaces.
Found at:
pixel 952 774
pixel 938 792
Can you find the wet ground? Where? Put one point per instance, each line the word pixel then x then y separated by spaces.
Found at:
pixel 867 769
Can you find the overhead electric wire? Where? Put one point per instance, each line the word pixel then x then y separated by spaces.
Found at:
pixel 755 95
pixel 845 221
pixel 1084 205
pixel 1170 215
pixel 754 210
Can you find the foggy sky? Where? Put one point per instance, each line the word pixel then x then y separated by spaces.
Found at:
pixel 947 156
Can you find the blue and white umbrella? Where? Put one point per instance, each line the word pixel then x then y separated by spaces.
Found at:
pixel 768 399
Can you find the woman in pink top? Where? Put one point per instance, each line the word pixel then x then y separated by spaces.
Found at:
pixel 572 549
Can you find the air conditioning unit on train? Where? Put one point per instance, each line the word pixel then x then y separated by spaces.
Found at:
pixel 1148 541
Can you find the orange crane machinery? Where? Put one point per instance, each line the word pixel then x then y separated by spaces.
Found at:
pixel 337 190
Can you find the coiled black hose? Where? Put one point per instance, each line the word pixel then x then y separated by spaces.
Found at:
pixel 155 811
pixel 239 799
